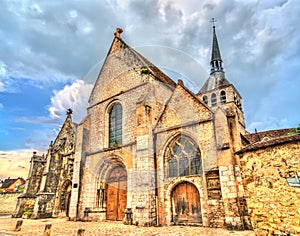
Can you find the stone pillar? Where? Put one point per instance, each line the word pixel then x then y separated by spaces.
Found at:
pixel 143 181
pixel 232 194
pixel 75 208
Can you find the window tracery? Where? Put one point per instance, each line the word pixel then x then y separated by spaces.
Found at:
pixel 183 158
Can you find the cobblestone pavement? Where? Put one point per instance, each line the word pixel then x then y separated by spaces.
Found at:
pixel 65 227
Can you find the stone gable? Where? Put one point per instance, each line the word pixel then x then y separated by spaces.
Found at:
pixel 183 109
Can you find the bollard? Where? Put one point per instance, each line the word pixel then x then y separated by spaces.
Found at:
pixel 47 230
pixel 19 225
pixel 80 232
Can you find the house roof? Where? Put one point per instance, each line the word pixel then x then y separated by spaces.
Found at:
pixel 259 136
pixel 264 143
pixel 8 182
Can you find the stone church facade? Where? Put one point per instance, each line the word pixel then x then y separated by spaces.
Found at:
pixel 149 151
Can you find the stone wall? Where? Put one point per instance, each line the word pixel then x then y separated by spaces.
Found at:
pixel 8 202
pixel 274 206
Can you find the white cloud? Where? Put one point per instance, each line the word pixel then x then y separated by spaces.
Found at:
pixel 74 96
pixel 259 42
pixel 15 163
pixel 268 123
pixel 2 88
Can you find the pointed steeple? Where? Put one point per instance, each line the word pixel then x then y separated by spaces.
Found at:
pixel 216 61
pixel 217 76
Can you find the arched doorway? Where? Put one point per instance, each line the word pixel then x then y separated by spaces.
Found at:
pixel 186 206
pixel 116 194
pixel 65 197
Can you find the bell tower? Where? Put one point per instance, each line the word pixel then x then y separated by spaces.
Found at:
pixel 226 103
pixel 217 91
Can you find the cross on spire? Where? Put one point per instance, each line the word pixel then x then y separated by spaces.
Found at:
pixel 213 21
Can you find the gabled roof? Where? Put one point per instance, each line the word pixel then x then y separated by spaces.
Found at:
pixel 158 74
pixel 8 182
pixel 69 128
pixel 259 136
pixel 122 58
pixel 182 96
pixel 270 138
pixel 270 143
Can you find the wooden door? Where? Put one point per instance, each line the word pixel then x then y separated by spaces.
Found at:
pixel 186 204
pixel 116 194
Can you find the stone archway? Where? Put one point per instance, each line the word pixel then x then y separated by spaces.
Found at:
pixel 116 193
pixel 65 197
pixel 186 206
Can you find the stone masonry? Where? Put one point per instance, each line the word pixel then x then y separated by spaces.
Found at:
pixel 152 152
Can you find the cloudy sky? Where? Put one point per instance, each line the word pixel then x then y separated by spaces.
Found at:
pixel 51 52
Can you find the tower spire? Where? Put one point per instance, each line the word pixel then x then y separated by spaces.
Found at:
pixel 216 61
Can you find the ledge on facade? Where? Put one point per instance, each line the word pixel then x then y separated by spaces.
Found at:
pixel 45 193
pixel 27 195
pixel 110 148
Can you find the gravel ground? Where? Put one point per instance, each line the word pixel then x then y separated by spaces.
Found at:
pixel 64 227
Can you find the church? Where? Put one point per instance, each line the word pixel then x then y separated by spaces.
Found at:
pixel 151 152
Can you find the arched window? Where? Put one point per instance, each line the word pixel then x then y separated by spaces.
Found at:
pixel 115 125
pixel 223 97
pixel 205 99
pixel 183 157
pixel 213 100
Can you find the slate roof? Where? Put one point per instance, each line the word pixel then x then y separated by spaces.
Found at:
pixel 215 81
pixel 217 78
pixel 215 52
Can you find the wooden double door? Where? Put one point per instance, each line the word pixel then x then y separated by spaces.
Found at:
pixel 186 206
pixel 116 194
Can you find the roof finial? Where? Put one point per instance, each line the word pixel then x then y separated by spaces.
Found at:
pixel 69 112
pixel 118 32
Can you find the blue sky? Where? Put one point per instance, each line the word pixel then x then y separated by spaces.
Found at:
pixel 51 52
